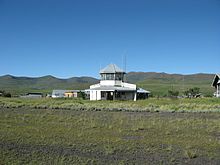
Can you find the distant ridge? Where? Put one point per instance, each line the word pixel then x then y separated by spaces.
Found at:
pixel 45 84
pixel 157 83
pixel 140 76
pixel 160 83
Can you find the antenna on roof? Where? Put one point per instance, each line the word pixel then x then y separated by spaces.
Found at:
pixel 124 63
pixel 124 60
pixel 100 67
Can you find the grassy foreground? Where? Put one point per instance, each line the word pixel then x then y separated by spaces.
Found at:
pixel 46 136
pixel 149 105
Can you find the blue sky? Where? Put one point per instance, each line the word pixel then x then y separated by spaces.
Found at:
pixel 67 38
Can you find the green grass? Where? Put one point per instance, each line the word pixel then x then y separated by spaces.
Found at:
pixel 160 88
pixel 45 136
pixel 152 104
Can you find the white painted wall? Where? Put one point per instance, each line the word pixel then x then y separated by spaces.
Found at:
pixel 218 90
pixel 94 86
pixel 133 86
pixel 92 95
pixel 95 95
pixel 98 95
pixel 116 83
pixel 110 83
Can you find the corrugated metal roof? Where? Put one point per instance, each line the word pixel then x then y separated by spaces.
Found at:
pixel 113 88
pixel 111 68
pixel 140 90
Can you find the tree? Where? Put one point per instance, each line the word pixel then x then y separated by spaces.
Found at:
pixel 82 95
pixel 192 92
pixel 172 93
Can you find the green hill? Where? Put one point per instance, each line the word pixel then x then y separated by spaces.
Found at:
pixel 45 84
pixel 160 83
pixel 157 83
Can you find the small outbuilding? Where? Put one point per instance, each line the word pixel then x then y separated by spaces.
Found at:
pixel 66 93
pixel 142 94
pixel 32 95
pixel 216 84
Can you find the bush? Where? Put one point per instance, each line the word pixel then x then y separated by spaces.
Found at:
pixel 172 93
pixel 82 95
pixel 191 154
pixel 5 94
pixel 192 92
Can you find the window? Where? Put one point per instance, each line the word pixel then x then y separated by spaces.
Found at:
pixel 103 77
pixel 102 94
pixel 110 76
pixel 118 94
pixel 119 76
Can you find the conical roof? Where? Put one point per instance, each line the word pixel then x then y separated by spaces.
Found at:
pixel 111 68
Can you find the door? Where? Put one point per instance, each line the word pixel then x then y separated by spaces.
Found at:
pixel 109 95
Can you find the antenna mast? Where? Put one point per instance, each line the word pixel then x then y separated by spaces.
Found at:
pixel 124 64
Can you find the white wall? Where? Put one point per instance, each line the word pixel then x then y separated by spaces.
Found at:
pixel 94 86
pixel 218 90
pixel 95 95
pixel 133 86
pixel 110 82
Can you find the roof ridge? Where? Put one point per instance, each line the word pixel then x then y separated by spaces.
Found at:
pixel 111 68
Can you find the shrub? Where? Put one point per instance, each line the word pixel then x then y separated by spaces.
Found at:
pixel 5 94
pixel 191 154
pixel 172 93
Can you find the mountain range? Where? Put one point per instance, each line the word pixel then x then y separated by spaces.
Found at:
pixel 157 83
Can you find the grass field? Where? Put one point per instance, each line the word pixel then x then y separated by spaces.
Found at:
pixel 160 88
pixel 76 131
pixel 149 105
pixel 46 136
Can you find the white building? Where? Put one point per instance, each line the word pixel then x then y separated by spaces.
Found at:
pixel 66 93
pixel 113 87
pixel 216 84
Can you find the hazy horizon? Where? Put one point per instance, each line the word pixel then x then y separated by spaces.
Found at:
pixel 97 77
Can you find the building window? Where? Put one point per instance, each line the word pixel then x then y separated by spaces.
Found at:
pixel 112 76
pixel 118 95
pixel 119 76
pixel 103 77
pixel 102 94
